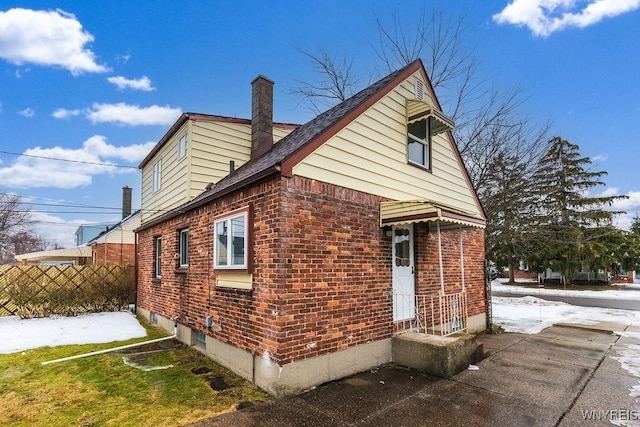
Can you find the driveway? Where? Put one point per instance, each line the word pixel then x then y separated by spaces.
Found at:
pixel 567 375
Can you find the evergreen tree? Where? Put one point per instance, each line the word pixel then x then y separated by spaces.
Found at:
pixel 570 220
pixel 635 225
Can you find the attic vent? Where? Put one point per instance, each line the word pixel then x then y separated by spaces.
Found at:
pixel 419 89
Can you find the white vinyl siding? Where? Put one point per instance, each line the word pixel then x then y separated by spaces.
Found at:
pixel 370 155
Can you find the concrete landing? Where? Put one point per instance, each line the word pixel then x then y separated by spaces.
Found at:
pixel 440 356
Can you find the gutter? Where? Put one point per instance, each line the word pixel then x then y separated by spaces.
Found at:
pixel 123 347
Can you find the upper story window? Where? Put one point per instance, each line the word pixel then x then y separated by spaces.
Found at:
pixel 182 146
pixel 157 262
pixel 183 249
pixel 419 143
pixel 231 241
pixel 157 166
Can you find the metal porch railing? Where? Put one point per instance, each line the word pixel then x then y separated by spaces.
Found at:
pixel 440 315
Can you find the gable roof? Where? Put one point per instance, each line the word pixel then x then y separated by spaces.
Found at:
pixel 284 155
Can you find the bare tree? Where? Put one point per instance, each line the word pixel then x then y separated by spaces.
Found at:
pixel 14 218
pixel 335 81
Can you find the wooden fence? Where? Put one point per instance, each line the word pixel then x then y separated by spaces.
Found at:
pixel 67 290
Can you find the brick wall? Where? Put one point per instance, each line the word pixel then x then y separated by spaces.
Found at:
pixel 113 254
pixel 321 273
pixel 428 269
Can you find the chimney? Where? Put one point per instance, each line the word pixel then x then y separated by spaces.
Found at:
pixel 261 116
pixel 126 201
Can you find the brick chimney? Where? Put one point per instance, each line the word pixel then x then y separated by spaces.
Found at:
pixel 261 116
pixel 126 201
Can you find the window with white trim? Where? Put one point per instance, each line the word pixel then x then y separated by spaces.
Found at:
pixel 156 175
pixel 157 252
pixel 182 146
pixel 231 240
pixel 419 143
pixel 183 249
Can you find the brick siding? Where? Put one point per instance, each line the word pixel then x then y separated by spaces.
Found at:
pixel 321 270
pixel 114 254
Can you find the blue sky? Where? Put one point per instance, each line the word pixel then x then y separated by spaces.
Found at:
pixel 101 82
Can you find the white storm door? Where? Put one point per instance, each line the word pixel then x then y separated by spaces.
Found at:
pixel 403 273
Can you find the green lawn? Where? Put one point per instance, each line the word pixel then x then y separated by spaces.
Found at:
pixel 103 391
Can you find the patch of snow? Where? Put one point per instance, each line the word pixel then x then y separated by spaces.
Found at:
pixel 633 294
pixel 530 315
pixel 24 334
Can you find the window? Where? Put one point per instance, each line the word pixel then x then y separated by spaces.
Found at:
pixel 182 146
pixel 418 147
pixel 199 339
pixel 183 249
pixel 231 238
pixel 156 175
pixel 157 267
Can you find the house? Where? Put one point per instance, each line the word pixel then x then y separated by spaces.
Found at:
pixel 299 266
pixel 86 232
pixel 117 244
pixel 78 255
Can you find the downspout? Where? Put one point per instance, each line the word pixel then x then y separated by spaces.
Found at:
pixel 462 260
pixel 440 259
pixel 123 347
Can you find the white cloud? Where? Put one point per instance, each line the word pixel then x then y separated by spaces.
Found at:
pixel 27 112
pixel 143 83
pixel 133 115
pixel 630 205
pixel 47 38
pixel 62 113
pixel 543 17
pixel 40 171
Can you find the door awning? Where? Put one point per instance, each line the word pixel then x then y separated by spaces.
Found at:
pixel 412 211
pixel 438 121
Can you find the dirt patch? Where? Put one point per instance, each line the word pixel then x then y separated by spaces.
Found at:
pixel 201 370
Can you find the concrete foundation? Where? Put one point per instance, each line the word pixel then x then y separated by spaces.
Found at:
pixel 291 378
pixel 435 355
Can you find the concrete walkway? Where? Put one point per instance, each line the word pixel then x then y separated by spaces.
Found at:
pixel 567 375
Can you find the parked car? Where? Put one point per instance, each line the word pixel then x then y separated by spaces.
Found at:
pixel 493 273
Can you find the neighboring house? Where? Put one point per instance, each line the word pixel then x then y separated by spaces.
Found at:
pixel 80 255
pixel 87 232
pixel 117 245
pixel 300 266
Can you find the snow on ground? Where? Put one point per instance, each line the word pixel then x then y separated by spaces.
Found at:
pixel 530 315
pixel 22 334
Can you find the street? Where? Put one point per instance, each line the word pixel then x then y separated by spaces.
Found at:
pixel 603 301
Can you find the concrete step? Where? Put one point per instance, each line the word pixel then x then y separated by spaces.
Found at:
pixel 440 356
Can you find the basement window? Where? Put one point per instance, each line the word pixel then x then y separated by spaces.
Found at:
pixel 199 339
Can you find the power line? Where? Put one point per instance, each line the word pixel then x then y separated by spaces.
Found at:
pixel 70 161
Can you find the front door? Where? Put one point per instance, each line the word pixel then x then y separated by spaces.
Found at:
pixel 403 273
